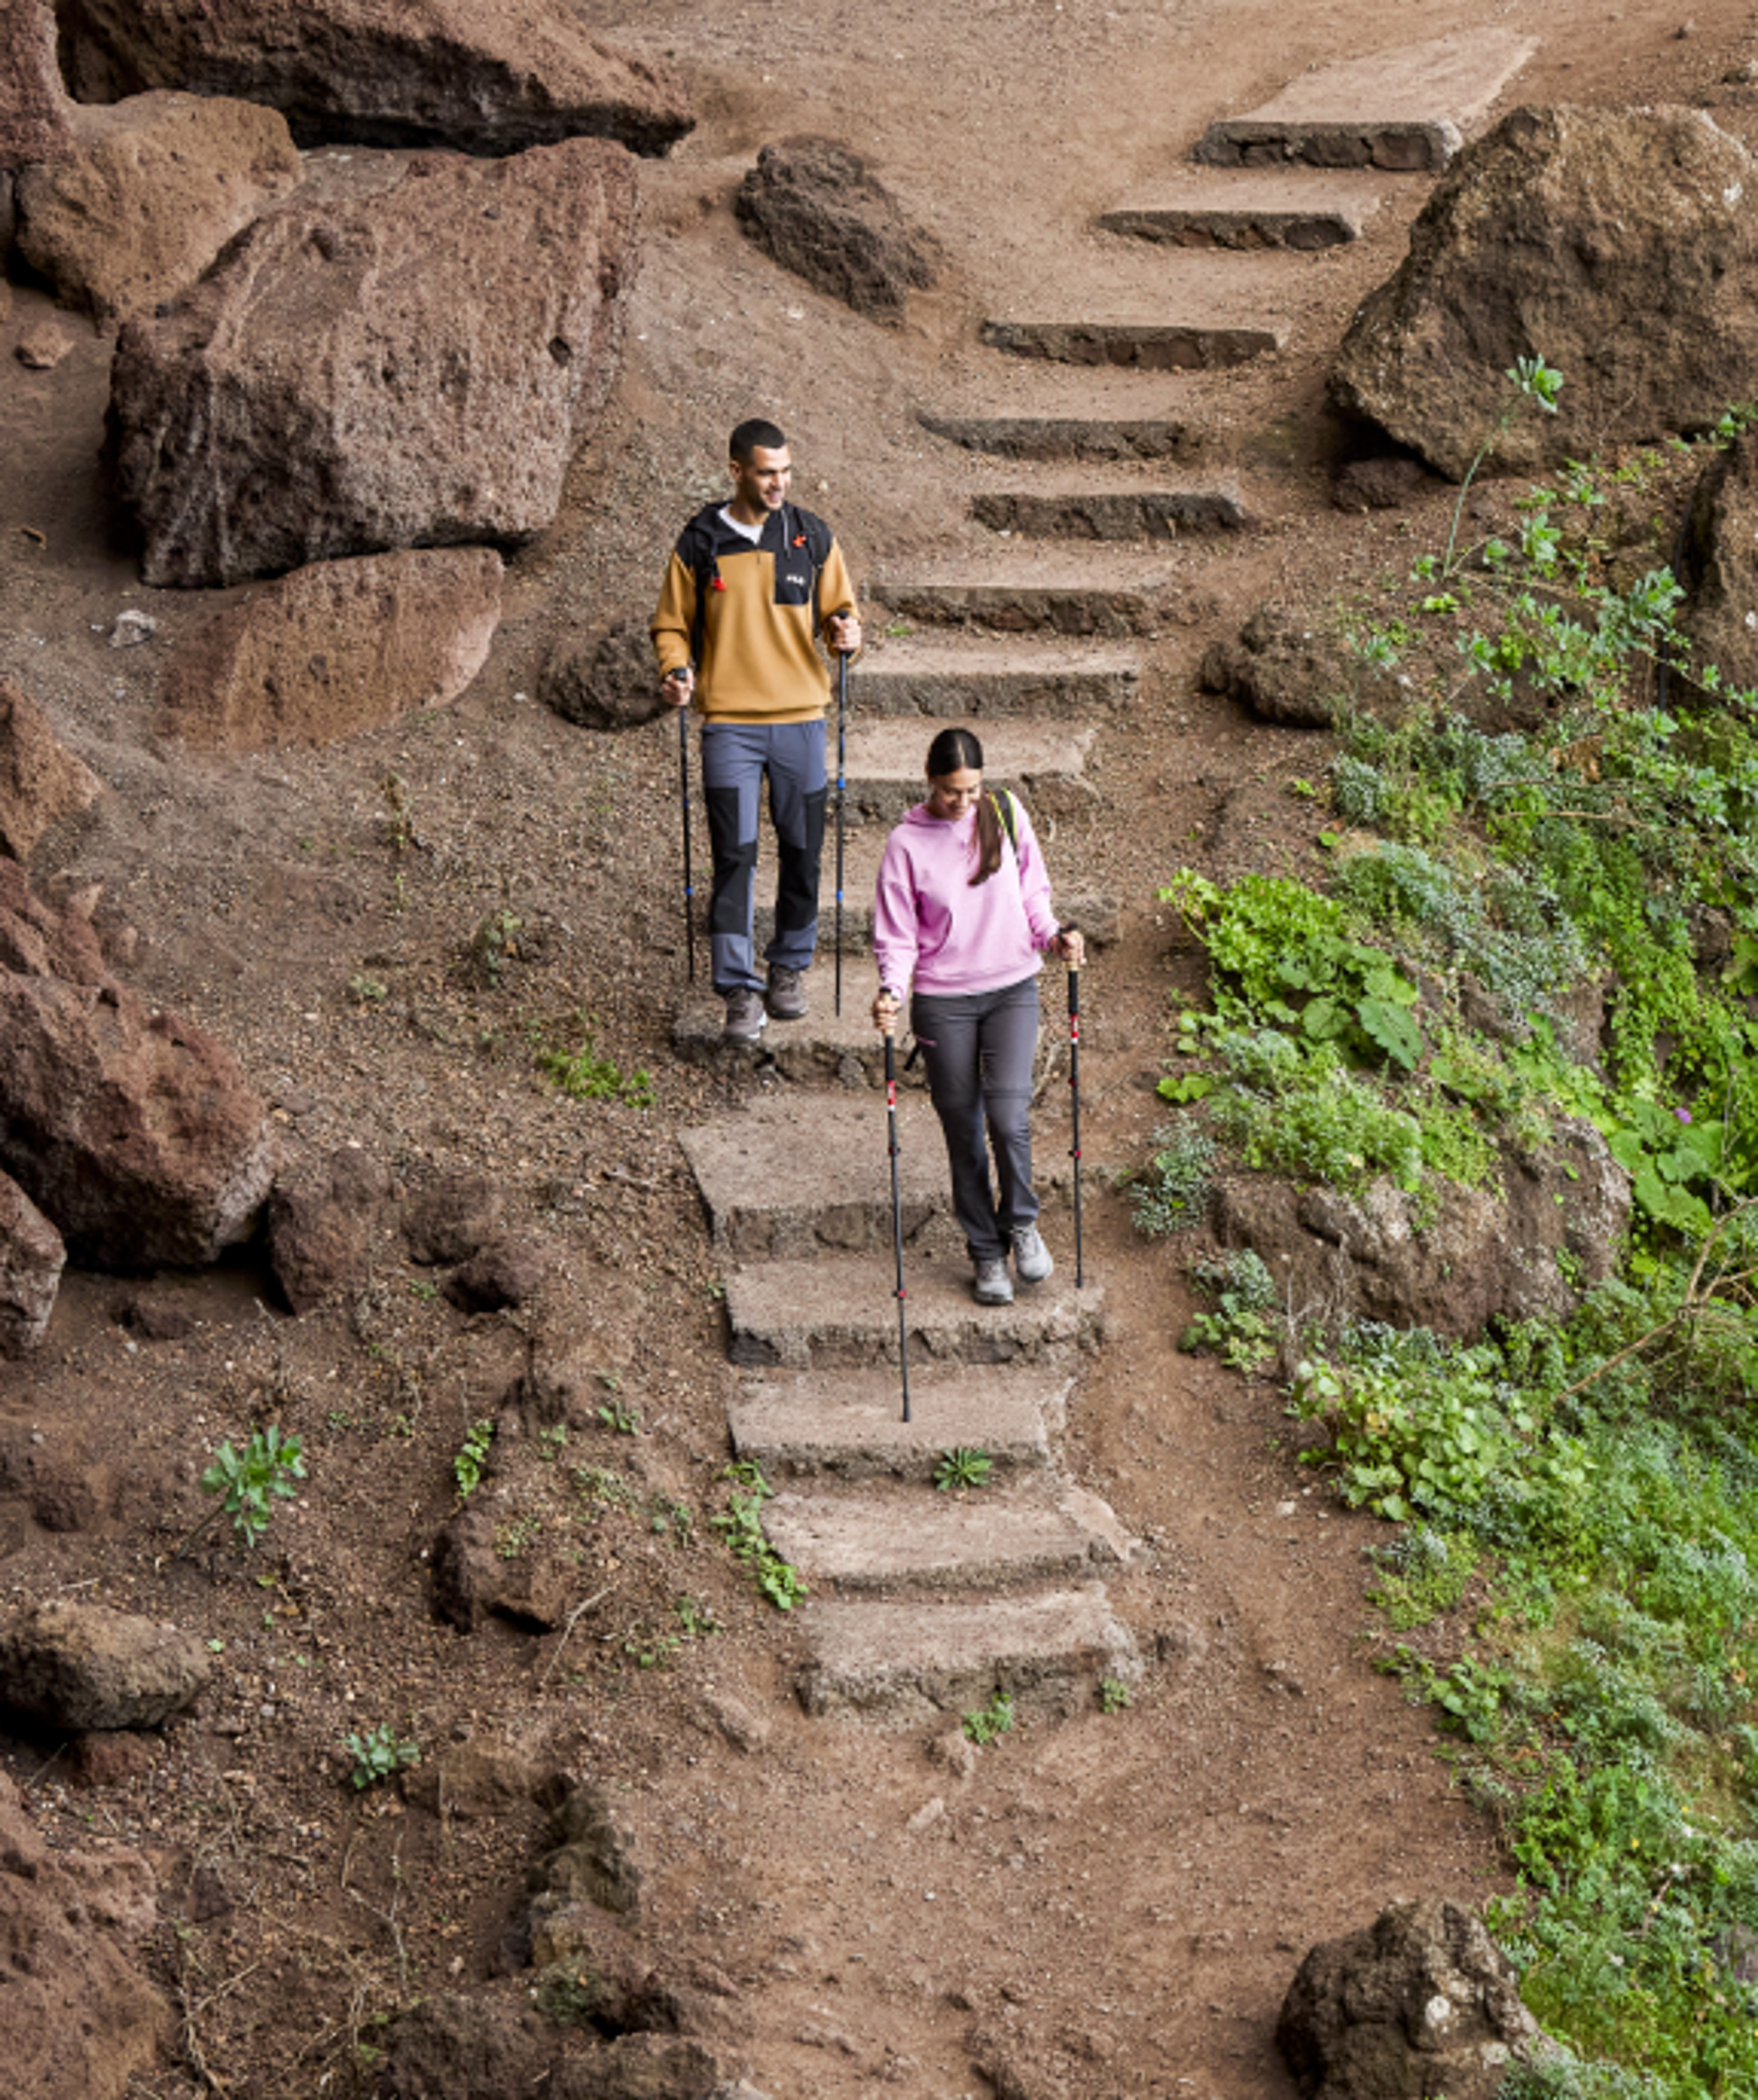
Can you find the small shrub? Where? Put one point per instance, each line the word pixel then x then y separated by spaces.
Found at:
pixel 378 1755
pixel 988 1722
pixel 962 1467
pixel 467 1468
pixel 252 1480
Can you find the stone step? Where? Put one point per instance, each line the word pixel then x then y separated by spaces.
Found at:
pixel 1107 439
pixel 961 680
pixel 1407 110
pixel 843 1309
pixel 850 1424
pixel 789 1178
pixel 914 1664
pixel 847 1050
pixel 1136 346
pixel 1113 513
pixel 917 1538
pixel 1246 211
pixel 1046 764
pixel 1029 590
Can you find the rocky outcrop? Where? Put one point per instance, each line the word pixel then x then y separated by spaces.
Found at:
pixel 335 649
pixel 1486 1255
pixel 80 2017
pixel 71 1666
pixel 1421 2002
pixel 33 104
pixel 1620 246
pixel 1289 666
pixel 479 76
pixel 40 781
pixel 31 1257
pixel 391 371
pixel 154 188
pixel 1719 568
pixel 813 205
pixel 605 679
pixel 133 1131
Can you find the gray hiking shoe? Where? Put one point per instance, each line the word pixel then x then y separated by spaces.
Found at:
pixel 785 999
pixel 992 1285
pixel 746 1019
pixel 1031 1257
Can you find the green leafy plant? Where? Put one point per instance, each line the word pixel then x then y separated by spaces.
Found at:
pixel 583 1073
pixel 1170 1194
pixel 1113 1695
pixel 250 1482
pixel 625 1421
pixel 987 1722
pixel 962 1467
pixel 497 943
pixel 740 1524
pixel 1238 1331
pixel 378 1755
pixel 473 1456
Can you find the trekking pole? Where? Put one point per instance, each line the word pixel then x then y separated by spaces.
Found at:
pixel 1074 1098
pixel 897 1212
pixel 842 759
pixel 690 888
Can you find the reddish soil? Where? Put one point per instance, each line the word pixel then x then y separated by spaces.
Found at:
pixel 1120 1901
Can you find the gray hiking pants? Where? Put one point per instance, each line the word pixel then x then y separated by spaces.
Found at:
pixel 736 758
pixel 978 1049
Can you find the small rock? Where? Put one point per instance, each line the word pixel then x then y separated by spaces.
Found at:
pixel 132 628
pixel 505 1273
pixel 79 1666
pixel 744 1729
pixel 452 1217
pixel 42 348
pixel 955 1751
pixel 930 1811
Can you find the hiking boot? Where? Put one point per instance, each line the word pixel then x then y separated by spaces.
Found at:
pixel 992 1285
pixel 786 997
pixel 1031 1257
pixel 746 1019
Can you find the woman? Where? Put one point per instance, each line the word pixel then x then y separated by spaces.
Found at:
pixel 963 915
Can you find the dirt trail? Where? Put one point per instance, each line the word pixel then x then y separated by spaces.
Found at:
pixel 1112 1904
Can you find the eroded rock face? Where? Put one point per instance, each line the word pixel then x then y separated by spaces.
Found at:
pixel 413 367
pixel 133 1131
pixel 31 1257
pixel 480 76
pixel 73 1666
pixel 154 188
pixel 335 649
pixel 1485 1256
pixel 1620 246
pixel 33 104
pixel 41 780
pixel 812 205
pixel 1288 666
pixel 1422 2002
pixel 1720 565
pixel 81 2017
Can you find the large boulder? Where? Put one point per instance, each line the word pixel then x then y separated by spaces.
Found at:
pixel 1523 1252
pixel 156 187
pixel 813 205
pixel 33 104
pixel 31 1257
pixel 71 1666
pixel 133 1132
pixel 40 781
pixel 414 367
pixel 480 75
pixel 79 2019
pixel 1620 246
pixel 335 649
pixel 1719 566
pixel 1421 2003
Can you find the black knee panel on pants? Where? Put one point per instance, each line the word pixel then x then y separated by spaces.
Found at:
pixel 796 902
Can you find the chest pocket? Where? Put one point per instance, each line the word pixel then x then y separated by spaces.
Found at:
pixel 800 544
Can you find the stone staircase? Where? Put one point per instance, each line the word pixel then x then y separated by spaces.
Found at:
pixel 923 1603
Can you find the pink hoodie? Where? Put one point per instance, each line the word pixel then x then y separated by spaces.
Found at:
pixel 930 926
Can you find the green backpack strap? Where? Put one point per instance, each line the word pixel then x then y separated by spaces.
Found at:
pixel 1008 810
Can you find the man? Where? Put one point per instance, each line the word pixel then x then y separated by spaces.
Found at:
pixel 750 585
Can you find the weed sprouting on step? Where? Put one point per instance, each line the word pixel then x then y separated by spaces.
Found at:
pixel 740 1525
pixel 1113 1695
pixel 965 1466
pixel 988 1722
pixel 467 1467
